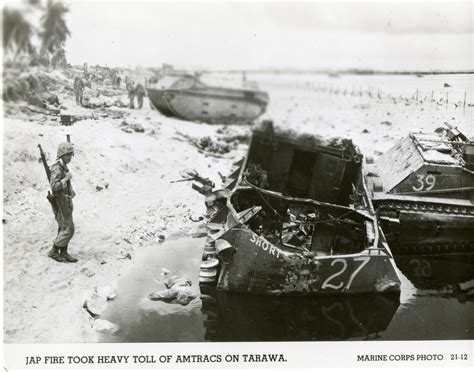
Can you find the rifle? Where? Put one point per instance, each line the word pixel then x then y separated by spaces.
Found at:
pixel 183 180
pixel 51 198
pixel 194 176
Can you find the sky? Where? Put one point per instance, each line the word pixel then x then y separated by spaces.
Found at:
pixel 251 35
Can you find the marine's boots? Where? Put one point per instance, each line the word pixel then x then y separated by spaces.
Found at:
pixel 56 255
pixel 67 256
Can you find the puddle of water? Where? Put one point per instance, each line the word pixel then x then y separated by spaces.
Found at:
pixel 246 317
pixel 143 320
pixel 432 318
pixel 433 305
pixel 437 286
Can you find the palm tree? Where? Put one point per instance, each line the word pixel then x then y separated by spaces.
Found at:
pixel 59 58
pixel 35 3
pixel 17 33
pixel 54 30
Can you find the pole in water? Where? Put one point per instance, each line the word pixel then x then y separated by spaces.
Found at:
pixel 464 99
pixel 68 137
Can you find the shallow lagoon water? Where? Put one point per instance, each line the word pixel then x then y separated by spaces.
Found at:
pixel 436 303
pixel 143 320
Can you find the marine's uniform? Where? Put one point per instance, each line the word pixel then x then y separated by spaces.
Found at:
pixel 78 88
pixel 63 192
pixel 131 93
pixel 140 92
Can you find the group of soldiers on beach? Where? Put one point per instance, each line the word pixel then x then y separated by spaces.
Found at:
pixel 133 89
pixel 137 90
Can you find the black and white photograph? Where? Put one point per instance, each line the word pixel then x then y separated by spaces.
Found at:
pixel 224 175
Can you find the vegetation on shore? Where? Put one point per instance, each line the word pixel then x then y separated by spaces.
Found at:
pixel 27 44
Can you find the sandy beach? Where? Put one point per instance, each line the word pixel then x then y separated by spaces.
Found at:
pixel 126 194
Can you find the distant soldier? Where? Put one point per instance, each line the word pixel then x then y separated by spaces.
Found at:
pixel 140 92
pixel 63 193
pixel 78 89
pixel 131 92
pixel 113 76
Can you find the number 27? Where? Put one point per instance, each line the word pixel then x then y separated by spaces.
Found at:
pixel 327 283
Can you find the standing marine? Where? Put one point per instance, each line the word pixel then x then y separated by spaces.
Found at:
pixel 140 92
pixel 63 193
pixel 131 92
pixel 78 89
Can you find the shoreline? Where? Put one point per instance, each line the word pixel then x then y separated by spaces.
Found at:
pixel 43 299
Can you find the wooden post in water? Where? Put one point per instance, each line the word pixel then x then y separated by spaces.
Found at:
pixel 464 105
pixel 447 96
pixel 431 96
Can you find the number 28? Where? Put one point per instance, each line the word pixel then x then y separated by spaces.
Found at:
pixel 424 182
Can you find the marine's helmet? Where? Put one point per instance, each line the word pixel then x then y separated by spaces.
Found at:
pixel 65 148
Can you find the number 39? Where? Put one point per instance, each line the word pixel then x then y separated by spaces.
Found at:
pixel 424 182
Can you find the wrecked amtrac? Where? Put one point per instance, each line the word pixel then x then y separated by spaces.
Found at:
pixel 444 264
pixel 427 180
pixel 295 218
